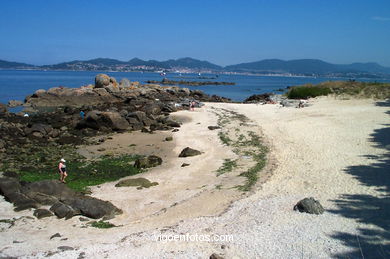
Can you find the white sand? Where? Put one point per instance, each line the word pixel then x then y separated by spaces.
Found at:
pixel 312 150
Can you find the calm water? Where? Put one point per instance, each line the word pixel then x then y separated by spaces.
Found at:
pixel 15 85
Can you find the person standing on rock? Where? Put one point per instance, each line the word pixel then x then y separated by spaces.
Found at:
pixel 62 170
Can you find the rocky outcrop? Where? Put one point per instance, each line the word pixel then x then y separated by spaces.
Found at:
pixel 14 103
pixel 256 98
pixel 309 205
pixel 104 120
pixel 189 152
pixel 64 202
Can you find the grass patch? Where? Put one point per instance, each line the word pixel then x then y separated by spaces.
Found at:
pixel 102 224
pixel 259 154
pixel 224 138
pixel 40 163
pixel 227 166
pixel 351 87
pixel 308 91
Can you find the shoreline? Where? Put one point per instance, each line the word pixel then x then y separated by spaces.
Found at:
pixel 314 151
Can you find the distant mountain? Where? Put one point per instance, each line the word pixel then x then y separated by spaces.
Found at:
pixel 191 63
pixel 8 65
pixel 113 64
pixel 267 66
pixel 306 66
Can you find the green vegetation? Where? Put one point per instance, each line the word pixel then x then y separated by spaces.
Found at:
pixel 37 163
pixel 224 138
pixel 227 166
pixel 304 92
pixel 258 152
pixel 102 224
pixel 350 88
pixel 245 144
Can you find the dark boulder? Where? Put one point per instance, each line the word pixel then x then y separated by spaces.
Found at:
pixel 216 256
pixel 22 201
pixel 63 211
pixel 258 98
pixel 140 117
pixel 172 123
pixel 93 208
pixel 8 186
pixel 42 213
pixel 99 120
pixel 147 162
pixel 43 129
pixel 189 152
pixel 309 205
pixel 114 121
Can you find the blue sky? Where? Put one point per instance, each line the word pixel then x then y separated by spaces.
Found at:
pixel 223 32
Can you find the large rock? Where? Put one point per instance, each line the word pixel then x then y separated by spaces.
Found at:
pixel 9 186
pixel 141 117
pixel 258 98
pixel 189 152
pixel 102 80
pixel 22 201
pixel 63 211
pixel 115 121
pixel 98 120
pixel 49 187
pixel 147 162
pixel 309 205
pixel 42 213
pixel 93 208
pixel 43 129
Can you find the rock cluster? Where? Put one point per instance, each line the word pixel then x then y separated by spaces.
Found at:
pixel 64 202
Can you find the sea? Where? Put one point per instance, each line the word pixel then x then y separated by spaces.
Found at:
pixel 17 84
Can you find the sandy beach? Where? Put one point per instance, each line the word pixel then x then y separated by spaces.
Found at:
pixel 336 151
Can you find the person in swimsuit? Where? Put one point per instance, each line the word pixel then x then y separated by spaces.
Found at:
pixel 62 170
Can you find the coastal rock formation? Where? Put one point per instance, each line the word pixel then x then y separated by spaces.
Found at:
pixel 64 202
pixel 14 103
pixel 189 152
pixel 309 205
pixel 256 98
